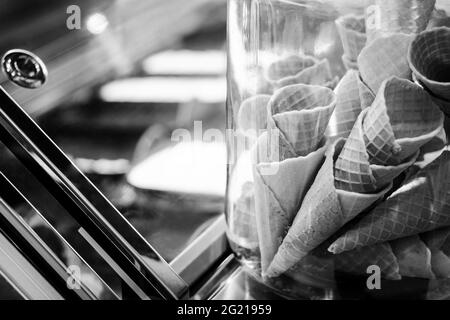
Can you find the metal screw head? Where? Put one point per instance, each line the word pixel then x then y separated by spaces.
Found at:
pixel 24 68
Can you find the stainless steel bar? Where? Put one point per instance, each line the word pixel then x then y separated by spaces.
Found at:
pixel 86 204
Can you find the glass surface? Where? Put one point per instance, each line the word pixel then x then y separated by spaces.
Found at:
pixel 338 156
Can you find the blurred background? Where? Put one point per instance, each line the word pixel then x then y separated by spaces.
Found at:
pixel 119 84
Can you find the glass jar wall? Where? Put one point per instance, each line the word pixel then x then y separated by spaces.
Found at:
pixel 338 183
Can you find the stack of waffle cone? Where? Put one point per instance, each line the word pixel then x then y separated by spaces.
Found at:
pixel 300 70
pixel 352 178
pixel 324 210
pixel 422 204
pixel 401 16
pixel 401 120
pixel 383 58
pixel 352 32
pixel 287 158
pixel 383 144
pixel 429 59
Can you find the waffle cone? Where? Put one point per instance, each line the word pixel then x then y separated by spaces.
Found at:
pixel 429 58
pixel 357 261
pixel 320 216
pixel 402 119
pixel 348 105
pixel 279 190
pixel 383 58
pixel 352 32
pixel 300 114
pixel 353 169
pixel 422 204
pixel 414 257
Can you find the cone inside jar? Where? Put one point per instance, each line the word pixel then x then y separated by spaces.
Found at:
pixel 429 59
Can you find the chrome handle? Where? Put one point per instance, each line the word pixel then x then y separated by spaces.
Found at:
pixel 24 68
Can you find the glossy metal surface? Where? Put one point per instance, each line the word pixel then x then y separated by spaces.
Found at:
pixel 24 68
pixel 86 204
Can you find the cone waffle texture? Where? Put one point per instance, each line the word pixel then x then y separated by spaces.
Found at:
pixel 348 104
pixel 288 157
pixel 299 115
pixel 401 120
pixel 404 16
pixel 429 58
pixel 352 31
pixel 422 204
pixel 300 70
pixel 323 211
pixel 353 170
pixel 383 58
pixel 279 190
pixel 357 261
pixel 414 257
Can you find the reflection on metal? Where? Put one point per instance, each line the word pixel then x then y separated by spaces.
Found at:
pixel 203 252
pixel 79 197
pixel 22 276
pixel 24 68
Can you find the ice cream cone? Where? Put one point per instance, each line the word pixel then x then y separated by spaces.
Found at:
pixel 357 261
pixel 405 16
pixel 352 31
pixel 298 117
pixel 348 105
pixel 300 113
pixel 383 58
pixel 279 189
pixel 422 204
pixel 317 74
pixel 252 114
pixel 402 119
pixel 413 256
pixel 353 169
pixel 429 59
pixel 320 216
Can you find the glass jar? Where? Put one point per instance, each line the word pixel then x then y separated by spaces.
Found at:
pixel 338 164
